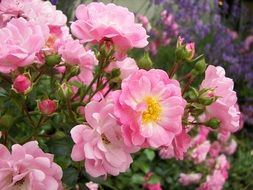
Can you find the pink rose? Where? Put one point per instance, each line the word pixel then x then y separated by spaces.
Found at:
pixel 100 142
pixel 188 179
pixel 224 108
pixel 20 41
pixel 150 107
pixel 28 167
pixel 92 186
pixel 213 182
pixel 97 21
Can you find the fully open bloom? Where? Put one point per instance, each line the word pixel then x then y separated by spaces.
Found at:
pixel 97 21
pixel 224 108
pixel 150 107
pixel 28 167
pixel 20 41
pixel 100 142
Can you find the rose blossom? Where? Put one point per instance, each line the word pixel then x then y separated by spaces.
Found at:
pixel 224 108
pixel 187 179
pixel 74 53
pixel 213 182
pixel 91 185
pixel 150 107
pixel 28 167
pixel 100 141
pixel 20 41
pixel 97 21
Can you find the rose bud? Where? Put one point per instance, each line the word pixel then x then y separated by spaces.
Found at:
pixel 47 106
pixel 22 84
pixel 190 48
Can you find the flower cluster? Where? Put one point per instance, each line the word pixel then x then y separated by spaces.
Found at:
pixel 57 89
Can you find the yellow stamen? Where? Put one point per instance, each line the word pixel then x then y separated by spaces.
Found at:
pixel 152 114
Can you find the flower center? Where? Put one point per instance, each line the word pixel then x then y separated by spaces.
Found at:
pixel 153 111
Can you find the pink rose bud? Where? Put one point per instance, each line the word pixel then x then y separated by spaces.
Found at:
pixel 22 84
pixel 47 106
pixel 180 41
pixel 190 47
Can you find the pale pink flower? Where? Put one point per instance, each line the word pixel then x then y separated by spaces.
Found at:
pixel 223 165
pixel 100 142
pixel 22 84
pixel 167 152
pixel 28 167
pixel 188 179
pixel 150 107
pixel 74 53
pixel 213 182
pixel 20 41
pixel 199 153
pixel 47 106
pixel 44 13
pixel 224 108
pixel 10 9
pixel 156 186
pixel 215 149
pixel 127 67
pixel 231 147
pixel 97 21
pixel 91 185
pixel 37 11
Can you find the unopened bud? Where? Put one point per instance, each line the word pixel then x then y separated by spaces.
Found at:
pixel 6 121
pixel 199 68
pixel 65 91
pixel 47 107
pixel 145 62
pixel 213 123
pixel 184 51
pixel 190 48
pixel 52 60
pixel 22 84
pixel 207 97
pixel 74 71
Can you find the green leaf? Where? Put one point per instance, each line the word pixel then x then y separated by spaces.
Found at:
pixel 150 154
